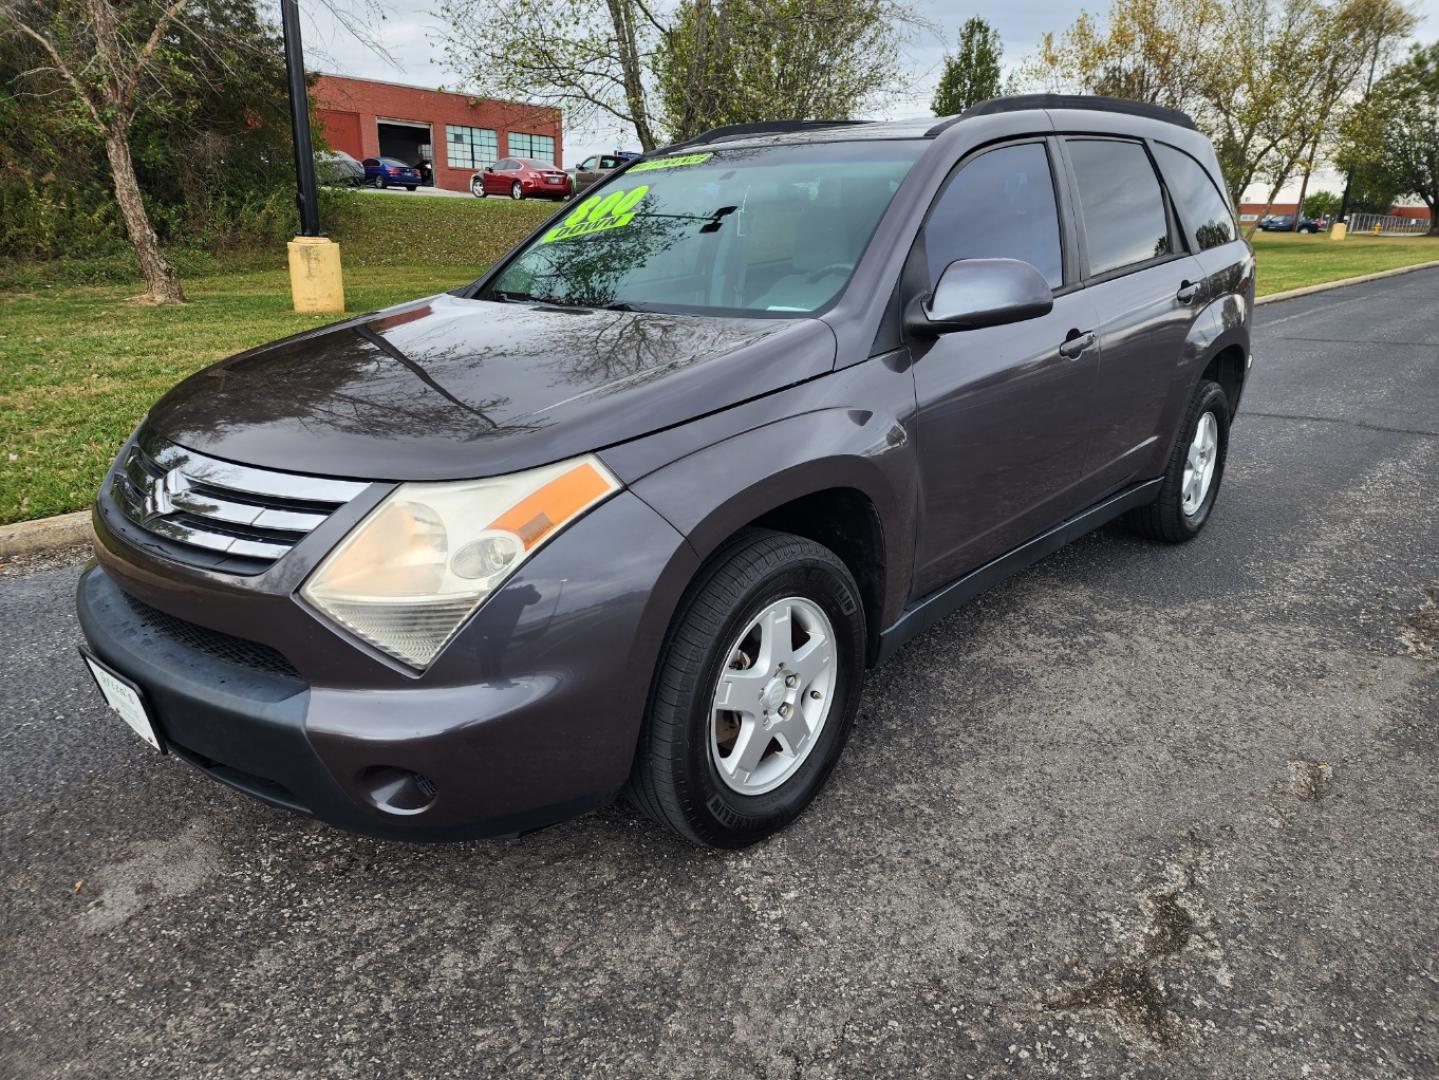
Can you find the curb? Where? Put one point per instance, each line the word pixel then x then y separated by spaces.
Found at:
pixel 46 534
pixel 1325 286
pixel 50 534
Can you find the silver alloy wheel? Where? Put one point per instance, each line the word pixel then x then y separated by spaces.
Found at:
pixel 1199 465
pixel 516 192
pixel 477 188
pixel 774 696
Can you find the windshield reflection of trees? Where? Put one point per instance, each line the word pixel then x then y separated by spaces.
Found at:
pixel 587 270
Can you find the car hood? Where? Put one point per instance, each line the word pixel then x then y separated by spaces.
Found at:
pixel 449 388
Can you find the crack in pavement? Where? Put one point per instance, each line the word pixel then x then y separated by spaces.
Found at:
pixel 1131 991
pixel 1339 420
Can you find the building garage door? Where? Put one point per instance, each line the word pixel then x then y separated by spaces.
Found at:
pixel 409 142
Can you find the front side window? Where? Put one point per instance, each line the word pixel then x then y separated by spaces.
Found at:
pixel 523 144
pixel 775 229
pixel 470 147
pixel 1200 205
pixel 1000 205
pixel 1120 202
pixel 588 163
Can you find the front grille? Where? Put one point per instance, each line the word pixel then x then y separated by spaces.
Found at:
pixel 245 516
pixel 214 643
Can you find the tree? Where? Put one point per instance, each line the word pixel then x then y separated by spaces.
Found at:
pixel 1275 103
pixel 107 62
pixel 972 74
pixel 1160 51
pixel 740 61
pixel 1264 79
pixel 588 57
pixel 1320 204
pixel 1401 124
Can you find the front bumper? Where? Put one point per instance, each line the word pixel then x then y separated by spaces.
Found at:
pixel 544 727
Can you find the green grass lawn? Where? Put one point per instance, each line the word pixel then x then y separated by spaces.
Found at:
pixel 78 365
pixel 1293 260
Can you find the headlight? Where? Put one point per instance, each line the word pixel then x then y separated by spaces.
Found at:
pixel 407 577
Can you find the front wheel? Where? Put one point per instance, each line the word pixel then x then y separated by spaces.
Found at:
pixel 516 192
pixel 410 187
pixel 477 189
pixel 1196 465
pixel 756 691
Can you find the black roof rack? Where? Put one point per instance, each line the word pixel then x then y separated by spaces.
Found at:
pixel 1093 103
pixel 766 127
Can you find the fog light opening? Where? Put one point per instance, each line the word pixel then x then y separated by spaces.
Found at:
pixel 398 791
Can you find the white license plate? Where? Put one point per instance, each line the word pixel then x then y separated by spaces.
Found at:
pixel 122 698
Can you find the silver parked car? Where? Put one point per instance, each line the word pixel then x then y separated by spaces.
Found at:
pixel 338 169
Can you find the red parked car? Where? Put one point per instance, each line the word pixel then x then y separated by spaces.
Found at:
pixel 522 178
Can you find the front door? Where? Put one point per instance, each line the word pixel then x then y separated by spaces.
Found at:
pixel 498 181
pixel 1003 412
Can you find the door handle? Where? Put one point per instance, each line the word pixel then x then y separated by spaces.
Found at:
pixel 1188 290
pixel 1076 343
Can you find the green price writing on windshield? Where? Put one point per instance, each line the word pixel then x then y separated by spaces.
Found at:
pixel 597 214
pixel 670 162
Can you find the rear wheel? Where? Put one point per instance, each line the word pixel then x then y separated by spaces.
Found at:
pixel 516 192
pixel 410 187
pixel 756 691
pixel 1196 465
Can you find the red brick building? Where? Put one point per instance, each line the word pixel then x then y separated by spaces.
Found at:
pixel 456 133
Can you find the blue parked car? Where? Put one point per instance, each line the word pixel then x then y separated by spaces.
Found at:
pixel 384 171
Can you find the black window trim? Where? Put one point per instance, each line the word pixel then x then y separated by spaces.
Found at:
pixel 1178 242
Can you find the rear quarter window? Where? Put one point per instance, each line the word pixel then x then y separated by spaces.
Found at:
pixel 1202 208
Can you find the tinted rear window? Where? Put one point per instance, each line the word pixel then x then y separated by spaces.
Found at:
pixel 1121 203
pixel 1201 207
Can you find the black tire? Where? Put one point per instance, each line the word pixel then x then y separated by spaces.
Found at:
pixel 477 189
pixel 675 780
pixel 409 187
pixel 1165 519
pixel 516 191
pixel 381 182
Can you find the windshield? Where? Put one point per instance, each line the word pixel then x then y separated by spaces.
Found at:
pixel 763 230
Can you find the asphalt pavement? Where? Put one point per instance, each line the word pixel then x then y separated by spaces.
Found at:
pixel 1141 812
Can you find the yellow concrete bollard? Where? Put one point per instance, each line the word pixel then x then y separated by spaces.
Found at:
pixel 315 279
pixel 1338 231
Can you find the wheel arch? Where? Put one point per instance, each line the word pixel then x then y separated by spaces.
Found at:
pixel 859 505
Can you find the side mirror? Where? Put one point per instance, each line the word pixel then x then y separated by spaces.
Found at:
pixel 974 293
pixel 489 168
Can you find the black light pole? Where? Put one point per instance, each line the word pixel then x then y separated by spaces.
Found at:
pixel 300 119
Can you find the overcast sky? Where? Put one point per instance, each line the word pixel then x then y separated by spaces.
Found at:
pixel 409 32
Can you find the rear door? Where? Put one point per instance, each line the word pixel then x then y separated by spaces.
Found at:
pixel 1003 411
pixel 1142 284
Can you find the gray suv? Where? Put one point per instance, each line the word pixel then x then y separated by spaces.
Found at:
pixel 635 511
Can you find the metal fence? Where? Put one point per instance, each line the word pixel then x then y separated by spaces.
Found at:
pixel 1387 225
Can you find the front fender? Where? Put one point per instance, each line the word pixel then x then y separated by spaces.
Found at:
pixel 711 493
